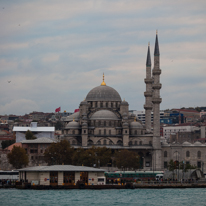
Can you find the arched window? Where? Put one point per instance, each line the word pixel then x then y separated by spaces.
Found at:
pixel 135 143
pixel 130 142
pixel 104 131
pixel 106 104
pixel 165 153
pixel 199 154
pixel 187 154
pixel 110 124
pixel 135 132
pixel 99 123
pixel 90 142
pixel 99 132
pixel 99 142
pixel 73 142
pixel 150 142
pixel 73 131
pixel 140 143
pixel 105 142
pixel 101 104
pixel 110 142
pixel 111 104
pixel 105 123
pixel 119 142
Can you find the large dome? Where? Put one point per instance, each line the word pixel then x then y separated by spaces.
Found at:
pixel 104 114
pixel 103 93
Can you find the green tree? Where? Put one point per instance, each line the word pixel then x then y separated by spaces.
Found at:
pixel 126 159
pixel 59 153
pixel 29 135
pixel 18 157
pixel 6 143
pixel 93 156
pixel 59 125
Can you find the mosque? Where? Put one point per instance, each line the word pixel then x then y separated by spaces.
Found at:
pixel 103 119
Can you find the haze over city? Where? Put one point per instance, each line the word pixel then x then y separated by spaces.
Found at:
pixel 52 53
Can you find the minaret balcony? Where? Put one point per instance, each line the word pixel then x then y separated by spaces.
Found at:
pixel 148 81
pixel 156 100
pixel 157 86
pixel 148 107
pixel 156 71
pixel 148 94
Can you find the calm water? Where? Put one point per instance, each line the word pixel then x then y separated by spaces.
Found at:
pixel 103 197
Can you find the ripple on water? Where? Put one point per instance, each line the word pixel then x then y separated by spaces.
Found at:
pixel 112 197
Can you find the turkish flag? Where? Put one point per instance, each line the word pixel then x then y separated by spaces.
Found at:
pixel 76 110
pixel 58 109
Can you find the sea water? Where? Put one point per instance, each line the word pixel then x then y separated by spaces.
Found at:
pixel 173 197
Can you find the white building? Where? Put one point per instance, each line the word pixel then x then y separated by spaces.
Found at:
pixel 38 132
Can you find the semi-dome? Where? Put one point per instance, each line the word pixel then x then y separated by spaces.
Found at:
pixel 103 93
pixel 72 125
pixel 197 143
pixel 104 114
pixel 136 125
pixel 186 143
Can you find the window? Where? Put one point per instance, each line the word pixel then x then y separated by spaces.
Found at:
pixel 99 142
pixel 111 104
pixel 199 154
pixel 199 164
pixel 187 154
pixel 130 142
pixel 109 132
pixel 165 165
pixel 135 132
pixel 101 104
pixel 110 142
pixel 104 131
pixel 73 131
pixel 105 124
pixel 135 143
pixel 140 143
pixel 99 132
pixel 73 142
pixel 105 142
pixel 150 142
pixel 99 123
pixel 110 124
pixel 165 153
pixel 125 131
pixel 106 104
pixel 85 131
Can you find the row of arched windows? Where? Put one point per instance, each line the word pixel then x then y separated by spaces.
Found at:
pixel 187 154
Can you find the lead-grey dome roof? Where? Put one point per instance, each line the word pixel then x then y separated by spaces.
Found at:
pixel 135 125
pixel 103 93
pixel 74 116
pixel 72 125
pixel 104 114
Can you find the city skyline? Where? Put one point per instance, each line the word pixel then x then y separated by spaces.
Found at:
pixel 53 53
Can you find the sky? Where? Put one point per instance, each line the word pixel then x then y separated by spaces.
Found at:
pixel 52 53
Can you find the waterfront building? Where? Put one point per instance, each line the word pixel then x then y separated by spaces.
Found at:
pixel 58 175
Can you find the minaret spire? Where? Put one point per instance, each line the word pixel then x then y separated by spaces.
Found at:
pixel 156 50
pixel 148 61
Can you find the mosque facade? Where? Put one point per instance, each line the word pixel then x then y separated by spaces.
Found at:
pixel 103 119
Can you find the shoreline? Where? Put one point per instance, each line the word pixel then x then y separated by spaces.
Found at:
pixel 99 187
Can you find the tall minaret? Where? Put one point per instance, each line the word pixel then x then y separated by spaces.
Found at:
pixel 148 93
pixel 156 100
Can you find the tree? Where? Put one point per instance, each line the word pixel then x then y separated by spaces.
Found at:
pixel 29 135
pixel 126 159
pixel 59 125
pixel 18 157
pixel 93 156
pixel 59 153
pixel 7 143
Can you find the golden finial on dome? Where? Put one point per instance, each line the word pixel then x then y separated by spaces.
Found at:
pixel 73 119
pixel 103 83
pixel 156 31
pixel 148 43
pixel 135 119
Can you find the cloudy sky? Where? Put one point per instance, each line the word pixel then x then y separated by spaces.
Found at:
pixel 55 52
